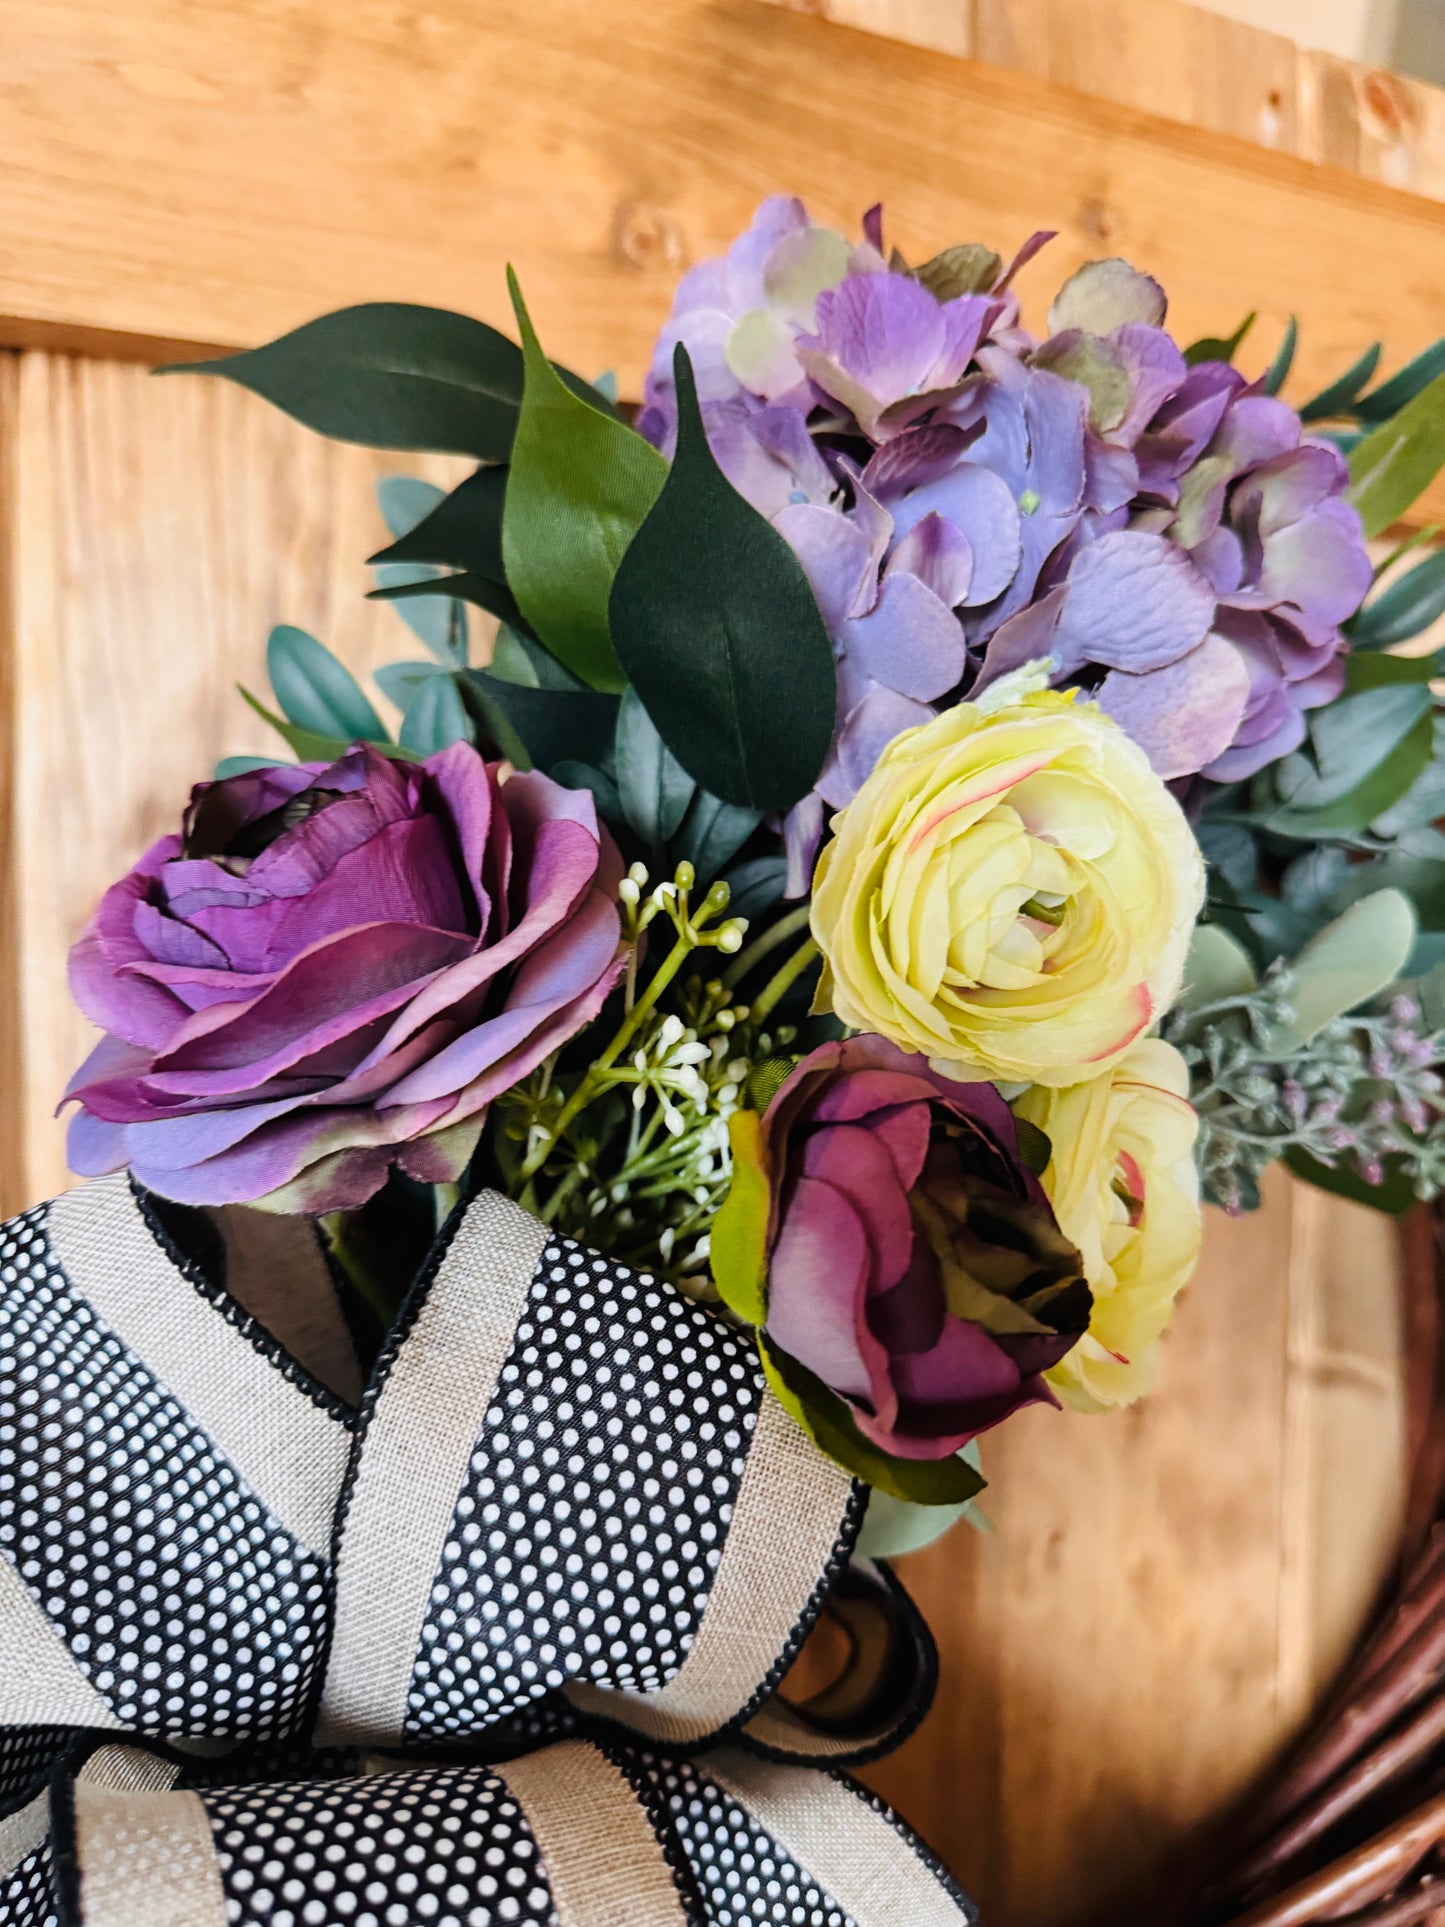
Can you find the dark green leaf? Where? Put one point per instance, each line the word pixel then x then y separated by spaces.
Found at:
pixel 316 692
pixel 585 776
pixel 756 883
pixel 1397 461
pixel 654 787
pixel 1278 372
pixel 1404 385
pixel 1404 609
pixel 720 634
pixel 391 375
pixel 712 833
pixel 580 486
pixel 462 530
pixel 550 725
pixel 435 718
pixel 828 1422
pixel 1351 737
pixel 1335 399
pixel 479 590
pixel 1394 1196
pixel 1034 1147
pixel 1220 347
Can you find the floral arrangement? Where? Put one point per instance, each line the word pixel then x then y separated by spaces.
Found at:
pixel 872 832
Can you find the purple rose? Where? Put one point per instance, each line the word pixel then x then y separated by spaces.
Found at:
pixel 915 1267
pixel 333 970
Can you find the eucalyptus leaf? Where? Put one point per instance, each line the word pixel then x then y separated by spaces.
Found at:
pixel 828 1422
pixel 551 725
pixel 1403 385
pixel 581 484
pixel 1406 608
pixel 316 692
pixel 1335 399
pixel 712 833
pixel 1216 967
pixel 1220 347
pixel 404 501
pixel 720 633
pixel 1397 461
pixel 400 681
pixel 435 718
pixel 391 375
pixel 517 656
pixel 1351 960
pixel 895 1527
pixel 1278 371
pixel 654 787
pixel 240 766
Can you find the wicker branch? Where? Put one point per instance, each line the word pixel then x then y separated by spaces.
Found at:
pixel 1360 1877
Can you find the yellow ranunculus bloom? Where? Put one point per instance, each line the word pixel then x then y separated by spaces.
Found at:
pixel 1125 1190
pixel 1011 892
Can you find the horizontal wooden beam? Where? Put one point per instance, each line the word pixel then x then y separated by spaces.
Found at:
pixel 193 171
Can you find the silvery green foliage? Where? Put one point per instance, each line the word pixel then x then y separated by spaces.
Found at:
pixel 1361 1093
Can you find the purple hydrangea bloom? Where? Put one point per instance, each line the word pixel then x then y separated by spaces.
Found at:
pixel 331 970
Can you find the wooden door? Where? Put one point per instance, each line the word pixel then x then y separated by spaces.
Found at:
pixel 1164 1592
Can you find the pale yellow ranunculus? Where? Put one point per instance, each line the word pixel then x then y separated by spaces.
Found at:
pixel 1125 1190
pixel 1011 892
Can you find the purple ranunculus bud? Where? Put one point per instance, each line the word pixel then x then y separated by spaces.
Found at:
pixel 331 970
pixel 915 1265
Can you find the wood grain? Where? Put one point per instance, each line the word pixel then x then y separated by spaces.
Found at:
pixel 182 168
pixel 1131 1642
pixel 155 530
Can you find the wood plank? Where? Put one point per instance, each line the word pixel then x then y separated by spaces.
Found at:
pixel 188 170
pixel 1382 126
pixel 1168 1589
pixel 157 532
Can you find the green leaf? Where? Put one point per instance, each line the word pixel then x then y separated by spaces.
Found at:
pixel 1397 461
pixel 1351 960
pixel 830 1425
pixel 1350 738
pixel 316 692
pixel 1220 347
pixel 549 725
pixel 304 744
pixel 757 883
pixel 654 787
pixel 580 487
pixel 720 634
pixel 739 1246
pixel 1278 372
pixel 1365 670
pixel 436 717
pixel 1335 399
pixel 1406 608
pixel 712 833
pixel 390 375
pixel 517 656
pixel 1395 1196
pixel 462 530
pixel 1404 385
pixel 1380 790
pixel 586 776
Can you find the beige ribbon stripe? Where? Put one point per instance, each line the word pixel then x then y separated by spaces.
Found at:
pixel 147 1862
pixel 40 1683
pixel 853 1853
pixel 288 1450
pixel 21 1833
pixel 601 1857
pixel 789 1511
pixel 109 1766
pixel 413 1464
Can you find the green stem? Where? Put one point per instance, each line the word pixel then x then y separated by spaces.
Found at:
pixel 781 982
pixel 560 1196
pixel 779 932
